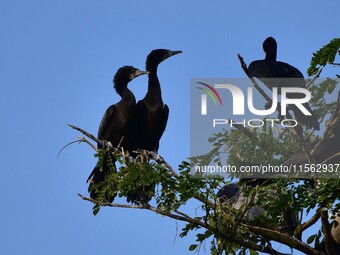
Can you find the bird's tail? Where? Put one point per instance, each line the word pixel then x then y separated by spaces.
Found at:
pixel 101 187
pixel 311 121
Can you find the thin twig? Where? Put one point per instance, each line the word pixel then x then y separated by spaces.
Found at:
pixel 330 158
pixel 64 147
pixel 84 140
pixel 317 75
pixel 311 221
pixel 111 204
pixel 251 77
pixel 92 137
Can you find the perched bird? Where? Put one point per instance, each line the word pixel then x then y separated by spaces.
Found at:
pixel 271 72
pixel 117 127
pixel 151 115
pixel 233 195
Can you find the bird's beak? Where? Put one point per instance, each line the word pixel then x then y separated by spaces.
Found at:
pixel 139 72
pixel 175 52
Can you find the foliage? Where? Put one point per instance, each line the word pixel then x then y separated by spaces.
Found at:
pixel 325 55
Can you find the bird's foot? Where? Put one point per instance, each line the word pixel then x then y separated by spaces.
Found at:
pixel 107 144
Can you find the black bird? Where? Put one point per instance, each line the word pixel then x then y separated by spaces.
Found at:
pixel 117 125
pixel 269 68
pixel 151 115
pixel 233 195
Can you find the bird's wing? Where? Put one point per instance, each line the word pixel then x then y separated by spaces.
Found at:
pixel 103 131
pixel 288 71
pixel 164 120
pixel 261 69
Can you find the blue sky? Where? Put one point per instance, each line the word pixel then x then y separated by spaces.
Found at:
pixel 56 67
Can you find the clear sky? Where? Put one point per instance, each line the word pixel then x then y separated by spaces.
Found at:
pixel 56 66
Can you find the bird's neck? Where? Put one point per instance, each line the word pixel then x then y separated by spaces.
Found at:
pixel 154 88
pixel 124 92
pixel 271 56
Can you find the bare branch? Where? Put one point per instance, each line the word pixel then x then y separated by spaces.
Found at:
pixel 184 217
pixel 331 158
pixel 251 77
pixel 110 204
pixel 84 140
pixel 92 137
pixel 311 221
pixel 65 146
pixel 317 75
pixel 283 238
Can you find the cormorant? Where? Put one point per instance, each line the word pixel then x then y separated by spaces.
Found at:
pixel 151 115
pixel 117 125
pixel 233 195
pixel 269 68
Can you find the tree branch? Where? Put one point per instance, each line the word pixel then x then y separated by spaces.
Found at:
pixel 317 75
pixel 184 217
pixel 251 77
pixel 282 238
pixel 326 232
pixel 265 233
pixel 92 137
pixel 311 221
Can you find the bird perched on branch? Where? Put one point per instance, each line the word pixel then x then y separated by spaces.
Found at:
pixel 233 195
pixel 117 127
pixel 151 115
pixel 272 73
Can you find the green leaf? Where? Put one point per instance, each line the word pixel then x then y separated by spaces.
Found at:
pixel 192 247
pixel 95 209
pixel 311 239
pixel 323 56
